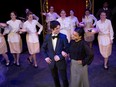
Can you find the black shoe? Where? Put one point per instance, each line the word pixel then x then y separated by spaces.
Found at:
pixel 29 61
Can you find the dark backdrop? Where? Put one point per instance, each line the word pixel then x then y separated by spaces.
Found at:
pixel 6 6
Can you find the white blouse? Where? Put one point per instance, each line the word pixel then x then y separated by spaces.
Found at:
pixel 73 21
pixel 31 29
pixel 14 25
pixel 13 28
pixel 51 16
pixel 105 28
pixel 89 19
pixel 64 23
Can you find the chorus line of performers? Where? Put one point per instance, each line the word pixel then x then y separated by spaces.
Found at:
pixel 14 28
pixel 64 31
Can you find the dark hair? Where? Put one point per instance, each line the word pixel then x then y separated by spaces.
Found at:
pixel 14 12
pixel 54 24
pixel 85 11
pixel 72 10
pixel 80 31
pixel 62 10
pixel 103 12
pixel 29 13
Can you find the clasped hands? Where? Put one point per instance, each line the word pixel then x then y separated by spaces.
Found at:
pixel 56 57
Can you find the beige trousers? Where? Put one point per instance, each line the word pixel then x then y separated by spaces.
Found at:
pixel 79 75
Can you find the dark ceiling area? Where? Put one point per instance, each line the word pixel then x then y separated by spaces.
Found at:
pixel 19 6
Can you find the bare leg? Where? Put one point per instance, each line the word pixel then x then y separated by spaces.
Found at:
pixel 30 59
pixel 106 63
pixel 17 58
pixel 35 61
pixel 6 58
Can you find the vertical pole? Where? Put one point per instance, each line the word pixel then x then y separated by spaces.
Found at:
pixel 87 4
pixel 92 6
pixel 47 5
pixel 41 5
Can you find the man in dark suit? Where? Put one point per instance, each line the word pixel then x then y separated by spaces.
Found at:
pixel 106 9
pixel 55 49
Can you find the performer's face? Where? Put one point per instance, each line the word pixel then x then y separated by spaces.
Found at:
pixel 103 16
pixel 51 9
pixel 71 12
pixel 63 14
pixel 75 36
pixel 30 17
pixel 87 12
pixel 13 16
pixel 56 30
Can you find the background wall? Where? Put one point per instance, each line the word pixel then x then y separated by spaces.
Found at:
pixel 6 6
pixel 77 5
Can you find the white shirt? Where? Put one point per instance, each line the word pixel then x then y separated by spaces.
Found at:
pixel 14 26
pixel 73 21
pixel 54 41
pixel 51 16
pixel 89 19
pixel 65 23
pixel 105 29
pixel 31 29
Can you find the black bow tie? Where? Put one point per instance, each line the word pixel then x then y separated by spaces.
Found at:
pixel 53 37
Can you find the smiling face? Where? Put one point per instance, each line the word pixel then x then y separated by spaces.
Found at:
pixel 63 13
pixel 13 15
pixel 51 9
pixel 75 36
pixel 103 16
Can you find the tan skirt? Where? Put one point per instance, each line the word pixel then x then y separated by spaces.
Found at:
pixel 33 48
pixel 3 46
pixel 16 47
pixel 105 50
pixel 105 46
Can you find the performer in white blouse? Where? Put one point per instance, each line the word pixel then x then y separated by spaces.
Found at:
pixel 14 39
pixel 32 37
pixel 105 37
pixel 3 46
pixel 89 22
pixel 50 16
pixel 65 24
pixel 73 21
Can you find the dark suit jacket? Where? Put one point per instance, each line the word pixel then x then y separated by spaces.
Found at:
pixel 48 51
pixel 108 13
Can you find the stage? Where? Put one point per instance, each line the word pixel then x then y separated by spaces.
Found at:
pixel 28 76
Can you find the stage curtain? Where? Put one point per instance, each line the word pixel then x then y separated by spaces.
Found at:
pixel 77 5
